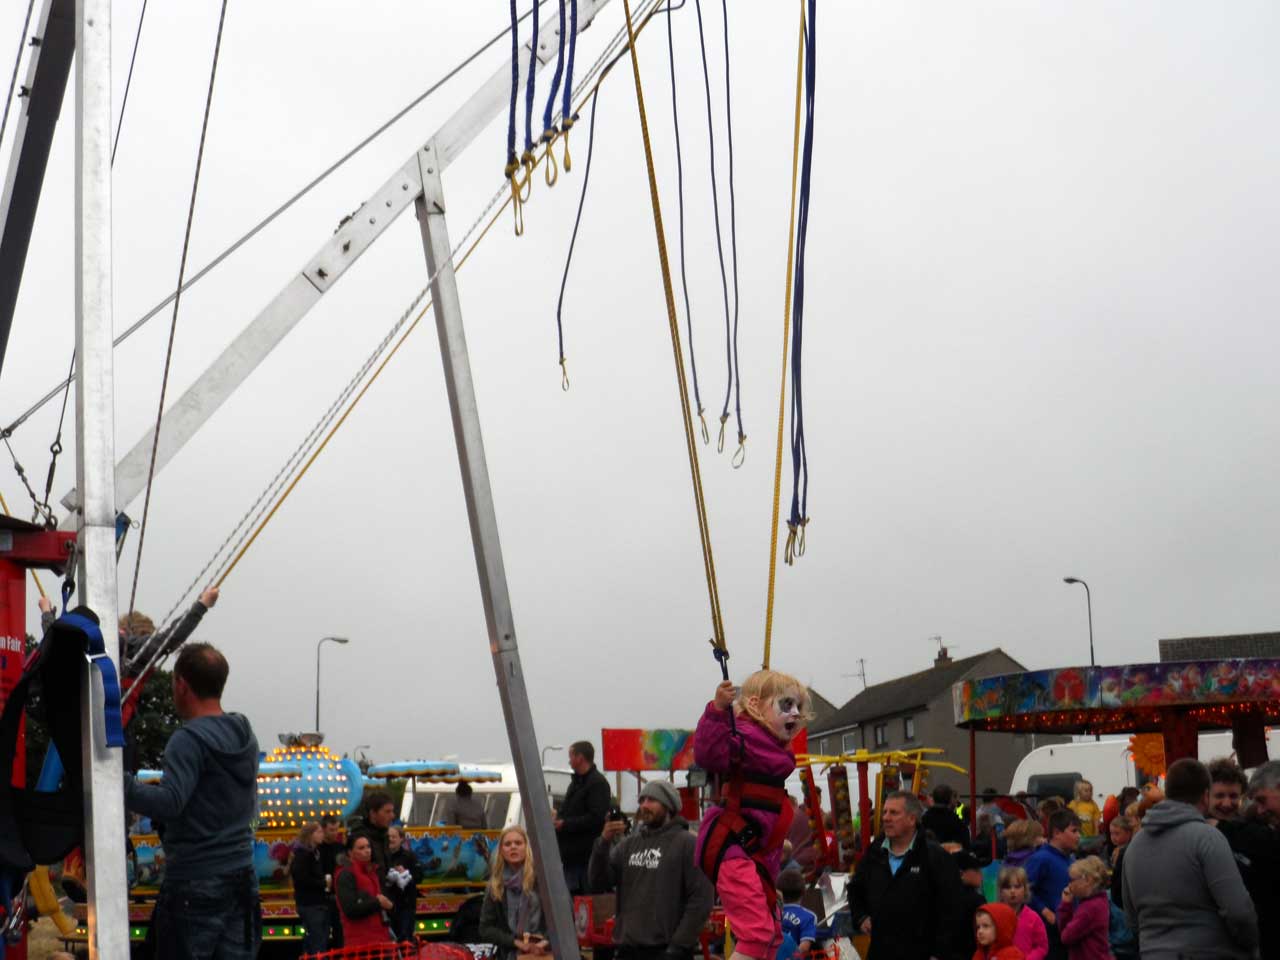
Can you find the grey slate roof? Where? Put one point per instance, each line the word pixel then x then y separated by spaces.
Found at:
pixel 904 693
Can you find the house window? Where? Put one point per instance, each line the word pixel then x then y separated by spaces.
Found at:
pixel 908 728
pixel 881 734
pixel 849 743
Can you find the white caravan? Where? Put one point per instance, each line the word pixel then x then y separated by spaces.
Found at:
pixel 428 805
pixel 1106 763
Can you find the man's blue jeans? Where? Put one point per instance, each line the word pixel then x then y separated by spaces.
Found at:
pixel 209 918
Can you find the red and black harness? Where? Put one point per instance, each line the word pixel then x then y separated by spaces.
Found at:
pixel 733 826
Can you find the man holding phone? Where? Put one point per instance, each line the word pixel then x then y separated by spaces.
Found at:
pixel 663 898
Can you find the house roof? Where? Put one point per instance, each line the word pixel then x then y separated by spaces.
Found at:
pixel 903 693
pixel 821 706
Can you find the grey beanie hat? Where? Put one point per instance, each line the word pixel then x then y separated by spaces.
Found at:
pixel 664 793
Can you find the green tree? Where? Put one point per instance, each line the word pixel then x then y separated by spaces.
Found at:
pixel 154 722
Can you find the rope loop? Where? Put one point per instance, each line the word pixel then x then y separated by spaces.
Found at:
pixel 564 376
pixel 740 455
pixel 564 135
pixel 720 443
pixel 552 172
pixel 706 436
pixel 789 552
pixel 721 653
pixel 517 207
pixel 529 162
pixel 804 524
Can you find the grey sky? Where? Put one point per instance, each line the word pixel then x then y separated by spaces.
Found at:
pixel 1041 341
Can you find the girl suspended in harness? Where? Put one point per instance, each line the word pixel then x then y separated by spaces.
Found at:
pixel 745 736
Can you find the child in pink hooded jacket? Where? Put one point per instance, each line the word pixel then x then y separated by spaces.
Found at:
pixel 752 727
pixel 1029 936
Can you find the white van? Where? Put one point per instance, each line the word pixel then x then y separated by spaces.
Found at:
pixel 1106 763
pixel 429 804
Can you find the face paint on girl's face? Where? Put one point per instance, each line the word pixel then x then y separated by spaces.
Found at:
pixel 782 716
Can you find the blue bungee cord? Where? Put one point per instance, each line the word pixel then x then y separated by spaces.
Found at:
pixel 549 131
pixel 567 116
pixel 582 200
pixel 513 159
pixel 799 454
pixel 740 455
pixel 684 277
pixel 715 204
pixel 527 159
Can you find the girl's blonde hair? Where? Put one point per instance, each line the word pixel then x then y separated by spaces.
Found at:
pixel 527 882
pixel 763 686
pixel 1125 823
pixel 1023 834
pixel 1078 789
pixel 1011 875
pixel 1092 869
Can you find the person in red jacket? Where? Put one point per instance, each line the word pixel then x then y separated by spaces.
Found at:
pixel 360 898
pixel 1084 915
pixel 993 927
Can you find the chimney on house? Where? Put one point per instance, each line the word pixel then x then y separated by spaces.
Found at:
pixel 943 658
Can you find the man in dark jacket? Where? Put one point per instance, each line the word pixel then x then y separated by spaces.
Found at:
pixel 379 813
pixel 906 889
pixel 1255 843
pixel 663 898
pixel 204 807
pixel 942 820
pixel 581 816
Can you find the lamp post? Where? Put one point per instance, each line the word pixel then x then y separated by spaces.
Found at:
pixel 323 640
pixel 1088 599
pixel 550 746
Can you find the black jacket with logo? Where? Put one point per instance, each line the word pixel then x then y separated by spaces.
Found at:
pixel 663 898
pixel 915 912
pixel 586 804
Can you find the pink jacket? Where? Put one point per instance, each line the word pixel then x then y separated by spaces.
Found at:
pixel 1030 936
pixel 1084 926
pixel 762 754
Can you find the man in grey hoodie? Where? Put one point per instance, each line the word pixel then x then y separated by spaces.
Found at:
pixel 204 808
pixel 663 898
pixel 1182 891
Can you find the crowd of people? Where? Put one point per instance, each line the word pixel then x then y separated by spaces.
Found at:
pixel 1190 871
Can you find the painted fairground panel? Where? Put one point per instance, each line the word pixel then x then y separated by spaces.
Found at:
pixel 449 857
pixel 1037 691
pixel 1191 682
pixel 626 749
pixel 1183 683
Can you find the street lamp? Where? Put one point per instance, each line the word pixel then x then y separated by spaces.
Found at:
pixel 550 746
pixel 1088 599
pixel 323 640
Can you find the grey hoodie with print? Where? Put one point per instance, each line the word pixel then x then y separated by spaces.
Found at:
pixel 663 898
pixel 1182 890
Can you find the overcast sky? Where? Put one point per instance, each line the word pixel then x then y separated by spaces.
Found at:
pixel 1041 341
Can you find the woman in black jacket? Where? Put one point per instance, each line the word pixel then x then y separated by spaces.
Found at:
pixel 401 862
pixel 511 917
pixel 309 895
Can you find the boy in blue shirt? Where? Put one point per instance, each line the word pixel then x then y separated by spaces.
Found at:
pixel 799 925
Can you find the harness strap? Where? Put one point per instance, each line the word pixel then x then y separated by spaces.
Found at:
pixel 96 654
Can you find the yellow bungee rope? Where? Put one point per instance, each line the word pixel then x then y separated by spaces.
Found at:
pixel 708 560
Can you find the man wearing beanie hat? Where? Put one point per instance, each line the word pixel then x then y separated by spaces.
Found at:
pixel 663 898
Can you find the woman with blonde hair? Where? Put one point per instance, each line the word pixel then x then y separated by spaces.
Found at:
pixel 309 894
pixel 511 915
pixel 1021 838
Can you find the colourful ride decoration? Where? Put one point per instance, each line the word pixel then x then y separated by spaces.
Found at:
pixel 1174 699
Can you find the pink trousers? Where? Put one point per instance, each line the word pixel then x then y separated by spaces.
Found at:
pixel 756 930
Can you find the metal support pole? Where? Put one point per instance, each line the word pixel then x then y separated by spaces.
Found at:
pixel 973 782
pixel 493 578
pixel 95 473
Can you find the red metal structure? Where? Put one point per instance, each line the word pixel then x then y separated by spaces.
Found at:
pixel 23 546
